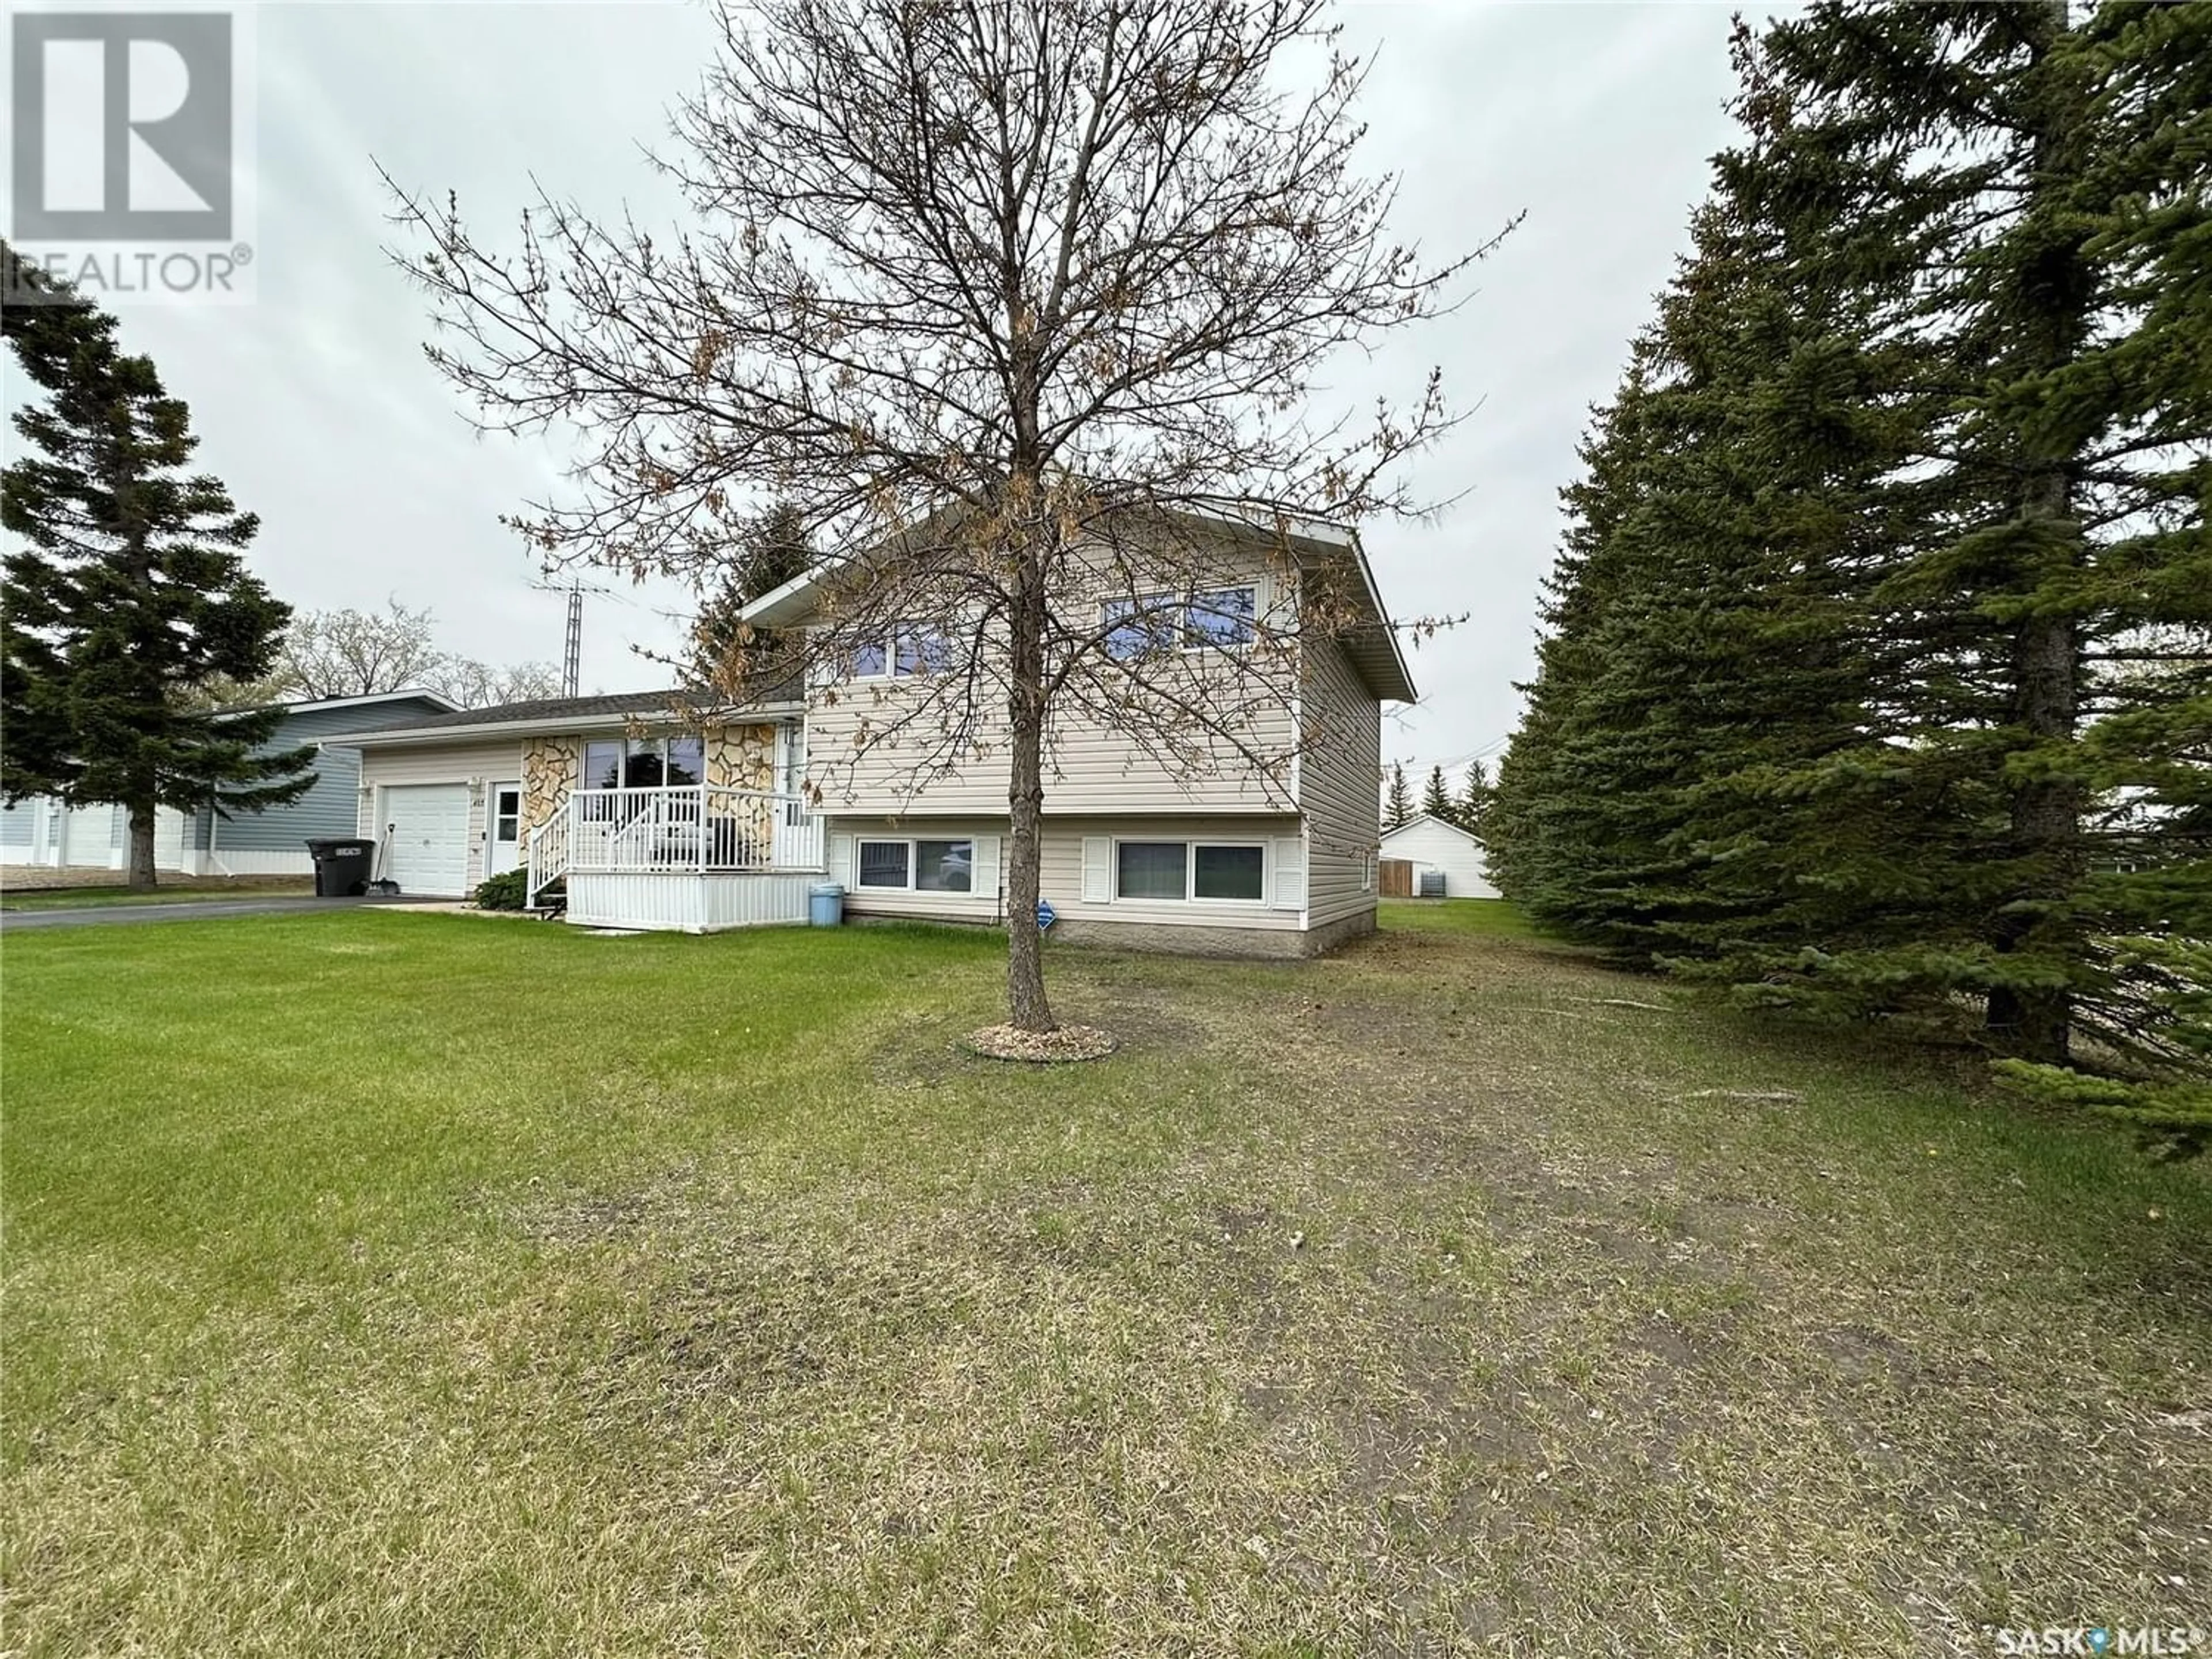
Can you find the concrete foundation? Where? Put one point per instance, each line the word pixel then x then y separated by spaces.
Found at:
pixel 1166 939
pixel 1264 944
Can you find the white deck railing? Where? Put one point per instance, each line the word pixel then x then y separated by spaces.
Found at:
pixel 702 827
pixel 545 852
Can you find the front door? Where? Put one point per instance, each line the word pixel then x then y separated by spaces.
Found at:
pixel 795 840
pixel 504 828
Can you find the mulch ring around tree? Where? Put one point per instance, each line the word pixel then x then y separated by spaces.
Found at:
pixel 1062 1047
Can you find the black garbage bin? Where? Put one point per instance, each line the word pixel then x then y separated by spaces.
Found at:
pixel 342 868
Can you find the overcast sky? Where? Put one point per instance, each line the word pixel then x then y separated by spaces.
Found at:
pixel 315 406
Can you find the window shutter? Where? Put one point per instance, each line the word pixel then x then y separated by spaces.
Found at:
pixel 984 884
pixel 839 860
pixel 1098 870
pixel 1289 873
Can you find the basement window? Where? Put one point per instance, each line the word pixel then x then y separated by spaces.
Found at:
pixel 1183 872
pixel 917 867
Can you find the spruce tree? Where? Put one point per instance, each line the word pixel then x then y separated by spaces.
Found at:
pixel 2146 742
pixel 1876 673
pixel 1435 799
pixel 1781 478
pixel 2054 518
pixel 1549 835
pixel 1472 810
pixel 1695 636
pixel 1398 804
pixel 773 550
pixel 128 593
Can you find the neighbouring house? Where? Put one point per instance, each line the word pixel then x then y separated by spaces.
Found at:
pixel 1236 857
pixel 41 830
pixel 1434 847
pixel 633 812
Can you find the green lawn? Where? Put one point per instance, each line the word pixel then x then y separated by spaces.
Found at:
pixel 1487 918
pixel 388 1285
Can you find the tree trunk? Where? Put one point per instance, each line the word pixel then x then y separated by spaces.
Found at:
pixel 1026 1006
pixel 140 878
pixel 2045 810
pixel 2046 829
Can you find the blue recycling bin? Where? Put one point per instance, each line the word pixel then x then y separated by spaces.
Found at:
pixel 825 905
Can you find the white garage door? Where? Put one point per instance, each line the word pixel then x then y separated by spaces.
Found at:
pixel 168 838
pixel 427 847
pixel 89 838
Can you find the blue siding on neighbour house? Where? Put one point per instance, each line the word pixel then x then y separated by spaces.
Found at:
pixel 17 824
pixel 331 806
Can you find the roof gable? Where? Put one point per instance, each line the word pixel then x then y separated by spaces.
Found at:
pixel 1372 646
pixel 1471 839
pixel 303 721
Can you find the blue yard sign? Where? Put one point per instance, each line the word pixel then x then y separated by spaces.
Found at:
pixel 1046 915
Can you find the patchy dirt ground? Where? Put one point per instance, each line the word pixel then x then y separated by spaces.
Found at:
pixel 1498 1303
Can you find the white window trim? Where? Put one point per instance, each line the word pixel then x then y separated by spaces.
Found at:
pixel 913 845
pixel 885 644
pixel 1190 845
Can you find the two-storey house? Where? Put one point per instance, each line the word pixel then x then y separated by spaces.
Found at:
pixel 1213 788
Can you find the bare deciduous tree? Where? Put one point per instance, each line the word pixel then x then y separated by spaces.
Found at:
pixel 475 684
pixel 357 653
pixel 996 295
pixel 361 653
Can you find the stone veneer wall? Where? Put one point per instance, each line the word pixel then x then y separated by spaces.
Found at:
pixel 741 756
pixel 551 767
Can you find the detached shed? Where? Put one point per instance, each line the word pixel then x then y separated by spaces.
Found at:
pixel 1429 843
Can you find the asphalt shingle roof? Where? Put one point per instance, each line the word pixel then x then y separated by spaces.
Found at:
pixel 553 708
pixel 784 688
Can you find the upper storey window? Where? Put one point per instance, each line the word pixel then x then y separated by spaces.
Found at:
pixel 1209 619
pixel 905 650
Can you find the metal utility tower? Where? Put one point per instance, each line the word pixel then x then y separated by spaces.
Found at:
pixel 572 648
pixel 571 654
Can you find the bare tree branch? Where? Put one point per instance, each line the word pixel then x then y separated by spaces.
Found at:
pixel 994 297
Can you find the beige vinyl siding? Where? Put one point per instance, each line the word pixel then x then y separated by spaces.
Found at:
pixel 1340 785
pixel 1090 765
pixel 884 779
pixel 1060 876
pixel 979 903
pixel 486 761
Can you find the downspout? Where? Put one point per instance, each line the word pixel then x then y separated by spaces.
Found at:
pixel 215 822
